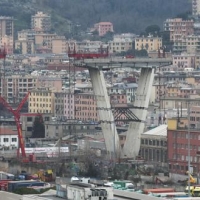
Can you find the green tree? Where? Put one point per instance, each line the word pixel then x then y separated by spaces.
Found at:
pixel 38 128
pixel 152 30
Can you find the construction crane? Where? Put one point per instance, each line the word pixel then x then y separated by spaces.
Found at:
pixel 16 114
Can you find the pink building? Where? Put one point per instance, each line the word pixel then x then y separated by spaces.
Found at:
pixel 184 61
pixel 179 28
pixel 103 28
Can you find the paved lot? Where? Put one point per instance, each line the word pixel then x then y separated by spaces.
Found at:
pixel 9 196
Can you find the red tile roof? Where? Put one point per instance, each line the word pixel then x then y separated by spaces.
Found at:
pixel 7 131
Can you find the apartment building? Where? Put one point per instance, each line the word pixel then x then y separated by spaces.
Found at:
pixel 85 107
pixel 103 27
pixel 17 86
pixel 59 45
pixel 148 43
pixel 177 140
pixel 41 101
pixel 41 22
pixel 7 33
pixel 44 40
pixel 195 7
pixel 184 61
pixel 179 28
pixel 119 45
pixel 25 46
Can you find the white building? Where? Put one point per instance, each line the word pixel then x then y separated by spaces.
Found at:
pixel 195 7
pixel 86 191
pixel 8 138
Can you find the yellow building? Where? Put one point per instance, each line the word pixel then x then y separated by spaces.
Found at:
pixel 148 43
pixel 119 45
pixel 41 101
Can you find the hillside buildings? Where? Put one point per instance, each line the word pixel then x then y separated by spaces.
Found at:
pixel 195 7
pixel 148 43
pixel 41 22
pixel 103 27
pixel 179 28
pixel 7 33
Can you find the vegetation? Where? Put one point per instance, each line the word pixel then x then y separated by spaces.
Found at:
pixel 23 191
pixel 69 17
pixel 38 128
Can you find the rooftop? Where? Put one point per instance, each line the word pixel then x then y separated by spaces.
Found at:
pixel 158 131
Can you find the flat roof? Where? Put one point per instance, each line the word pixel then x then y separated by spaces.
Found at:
pixel 158 131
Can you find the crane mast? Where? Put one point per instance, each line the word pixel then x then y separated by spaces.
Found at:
pixel 16 114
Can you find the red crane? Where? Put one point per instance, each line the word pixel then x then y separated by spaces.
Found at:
pixel 16 114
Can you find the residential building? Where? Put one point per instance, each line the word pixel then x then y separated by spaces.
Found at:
pixel 179 28
pixel 119 45
pixel 41 22
pixel 184 61
pixel 195 7
pixel 7 33
pixel 41 100
pixel 17 86
pixel 195 117
pixel 8 138
pixel 177 140
pixel 103 27
pixel 59 45
pixel 148 43
pixel 7 41
pixel 25 46
pixel 43 41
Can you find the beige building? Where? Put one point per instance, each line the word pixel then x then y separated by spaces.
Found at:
pixel 179 28
pixel 189 44
pixel 59 45
pixel 148 43
pixel 41 101
pixel 7 41
pixel 6 33
pixel 119 45
pixel 41 22
pixel 44 40
pixel 25 46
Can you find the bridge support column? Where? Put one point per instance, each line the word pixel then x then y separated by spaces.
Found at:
pixel 104 110
pixel 132 143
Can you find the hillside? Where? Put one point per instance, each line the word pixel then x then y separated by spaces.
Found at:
pixel 126 15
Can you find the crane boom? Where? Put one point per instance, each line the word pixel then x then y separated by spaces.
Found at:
pixel 16 114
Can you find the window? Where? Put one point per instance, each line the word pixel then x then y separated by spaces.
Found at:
pixel 14 139
pixel 5 139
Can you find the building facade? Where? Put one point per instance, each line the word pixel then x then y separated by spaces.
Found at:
pixel 148 43
pixel 177 137
pixel 103 27
pixel 41 22
pixel 179 28
pixel 195 7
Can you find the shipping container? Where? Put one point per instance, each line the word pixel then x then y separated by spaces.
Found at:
pixel 158 190
pixel 19 184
